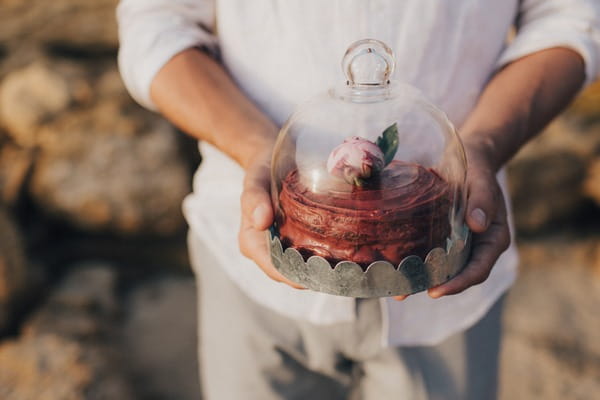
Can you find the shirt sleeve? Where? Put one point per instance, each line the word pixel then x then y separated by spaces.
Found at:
pixel 542 24
pixel 151 32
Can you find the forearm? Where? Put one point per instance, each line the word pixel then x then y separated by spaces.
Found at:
pixel 519 101
pixel 195 93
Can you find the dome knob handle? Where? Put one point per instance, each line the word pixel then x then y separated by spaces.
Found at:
pixel 368 63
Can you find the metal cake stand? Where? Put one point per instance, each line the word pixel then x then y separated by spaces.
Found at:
pixel 381 278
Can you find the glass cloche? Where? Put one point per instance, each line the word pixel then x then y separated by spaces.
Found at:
pixel 368 186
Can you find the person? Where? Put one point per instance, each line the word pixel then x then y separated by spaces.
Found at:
pixel 229 73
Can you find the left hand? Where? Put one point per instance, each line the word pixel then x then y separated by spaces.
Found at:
pixel 257 215
pixel 486 217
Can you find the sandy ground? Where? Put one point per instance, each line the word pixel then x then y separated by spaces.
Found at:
pixel 552 324
pixel 551 347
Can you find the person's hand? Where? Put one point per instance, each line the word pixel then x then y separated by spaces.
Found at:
pixel 515 105
pixel 257 216
pixel 487 219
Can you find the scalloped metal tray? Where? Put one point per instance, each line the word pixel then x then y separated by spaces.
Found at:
pixel 381 278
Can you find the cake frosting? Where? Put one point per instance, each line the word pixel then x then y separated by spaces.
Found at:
pixel 403 211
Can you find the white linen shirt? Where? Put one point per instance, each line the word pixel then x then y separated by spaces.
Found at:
pixel 282 52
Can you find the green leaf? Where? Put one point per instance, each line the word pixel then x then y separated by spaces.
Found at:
pixel 388 142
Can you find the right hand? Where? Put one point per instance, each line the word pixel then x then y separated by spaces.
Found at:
pixel 486 216
pixel 257 216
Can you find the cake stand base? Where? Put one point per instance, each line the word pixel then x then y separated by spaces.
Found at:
pixel 380 279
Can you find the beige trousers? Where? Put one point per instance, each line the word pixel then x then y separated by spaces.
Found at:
pixel 248 352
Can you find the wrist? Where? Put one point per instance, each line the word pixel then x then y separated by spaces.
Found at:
pixel 482 152
pixel 257 146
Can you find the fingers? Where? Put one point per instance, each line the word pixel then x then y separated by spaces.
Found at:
pixel 256 200
pixel 482 201
pixel 253 245
pixel 257 215
pixel 487 247
pixel 256 208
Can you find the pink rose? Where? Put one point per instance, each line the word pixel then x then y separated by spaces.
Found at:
pixel 355 159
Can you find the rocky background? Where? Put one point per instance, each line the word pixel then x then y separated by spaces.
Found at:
pixel 96 297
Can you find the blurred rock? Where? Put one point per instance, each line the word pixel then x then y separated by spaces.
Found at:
pixel 51 367
pixel 566 134
pixel 15 162
pixel 536 372
pixel 15 277
pixel 558 281
pixel 551 349
pixel 101 162
pixel 592 181
pixel 81 24
pixel 546 177
pixel 160 335
pixel 108 180
pixel 83 306
pixel 110 84
pixel 596 263
pixel 63 351
pixel 586 107
pixel 15 59
pixel 37 94
pixel 546 189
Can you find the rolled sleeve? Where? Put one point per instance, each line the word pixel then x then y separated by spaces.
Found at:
pixel 151 32
pixel 543 24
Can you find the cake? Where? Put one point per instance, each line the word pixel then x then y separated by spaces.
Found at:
pixel 371 175
pixel 402 210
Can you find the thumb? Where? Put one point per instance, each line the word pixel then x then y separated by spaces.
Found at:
pixel 255 199
pixel 483 196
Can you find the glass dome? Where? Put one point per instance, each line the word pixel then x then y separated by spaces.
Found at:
pixel 369 171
